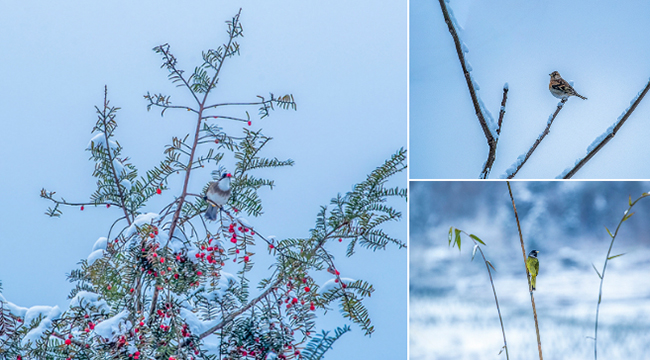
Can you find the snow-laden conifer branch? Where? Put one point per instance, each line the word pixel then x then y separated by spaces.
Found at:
pixel 604 138
pixel 521 160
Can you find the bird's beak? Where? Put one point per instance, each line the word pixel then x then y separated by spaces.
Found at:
pixel 550 74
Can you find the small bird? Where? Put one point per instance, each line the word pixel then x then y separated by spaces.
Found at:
pixel 533 267
pixel 217 196
pixel 560 88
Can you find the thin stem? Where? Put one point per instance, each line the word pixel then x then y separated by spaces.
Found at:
pixel 626 216
pixel 496 300
pixel 539 139
pixel 523 251
pixel 610 136
pixel 492 154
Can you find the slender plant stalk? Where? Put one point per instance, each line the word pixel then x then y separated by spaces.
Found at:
pixel 487 265
pixel 539 139
pixel 496 300
pixel 601 275
pixel 523 251
pixel 610 136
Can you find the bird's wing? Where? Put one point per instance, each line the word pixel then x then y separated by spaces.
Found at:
pixel 536 266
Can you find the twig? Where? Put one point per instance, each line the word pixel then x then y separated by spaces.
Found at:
pixel 523 251
pixel 626 216
pixel 541 137
pixel 491 140
pixel 610 136
pixel 492 154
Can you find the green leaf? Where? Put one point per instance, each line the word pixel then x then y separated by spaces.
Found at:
pixel 457 240
pixel 610 234
pixel 476 238
pixel 627 216
pixel 596 271
pixel 489 263
pixel 615 256
pixel 451 231
pixel 474 251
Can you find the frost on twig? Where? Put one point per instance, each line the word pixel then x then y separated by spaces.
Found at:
pixel 521 160
pixel 604 138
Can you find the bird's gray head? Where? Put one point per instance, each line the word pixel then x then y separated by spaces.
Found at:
pixel 533 253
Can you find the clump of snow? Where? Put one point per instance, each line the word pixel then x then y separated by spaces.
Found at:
pixel 14 309
pixel 85 299
pixel 50 314
pixel 138 222
pixel 464 47
pixel 196 325
pixel 113 326
pixel 332 284
pixel 94 256
pixel 119 167
pixel 514 166
pixel 506 86
pixel 126 183
pixel 100 139
pixel 100 244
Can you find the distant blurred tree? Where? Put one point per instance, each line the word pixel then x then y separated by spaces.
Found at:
pixel 155 286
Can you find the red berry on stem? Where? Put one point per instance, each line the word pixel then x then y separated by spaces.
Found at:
pixel 158 191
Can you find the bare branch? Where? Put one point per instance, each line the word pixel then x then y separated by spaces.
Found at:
pixel 518 164
pixel 610 135
pixel 492 154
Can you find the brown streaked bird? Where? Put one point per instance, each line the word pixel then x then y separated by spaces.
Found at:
pixel 217 195
pixel 560 88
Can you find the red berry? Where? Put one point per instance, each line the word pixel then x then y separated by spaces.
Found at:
pixel 312 307
pixel 340 240
pixel 199 273
pixel 158 191
pixel 271 246
pixel 108 287
pixel 68 341
pixel 132 290
pixel 175 276
pixel 108 205
pixel 82 208
pixel 162 259
pixel 246 258
pixel 249 123
pixel 307 288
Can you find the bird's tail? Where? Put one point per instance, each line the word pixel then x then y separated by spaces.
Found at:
pixel 532 282
pixel 211 213
pixel 580 96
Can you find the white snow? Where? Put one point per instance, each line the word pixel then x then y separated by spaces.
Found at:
pixel 100 244
pixel 87 299
pixel 332 284
pixel 140 220
pixel 50 314
pixel 94 256
pixel 100 139
pixel 126 183
pixel 113 326
pixel 196 325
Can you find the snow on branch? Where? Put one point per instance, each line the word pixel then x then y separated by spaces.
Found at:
pixel 490 128
pixel 604 138
pixel 521 160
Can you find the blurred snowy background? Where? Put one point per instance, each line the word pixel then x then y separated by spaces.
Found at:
pixel 452 310
pixel 602 46
pixel 340 60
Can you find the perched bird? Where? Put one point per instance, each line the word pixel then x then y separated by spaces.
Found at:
pixel 560 88
pixel 533 267
pixel 217 196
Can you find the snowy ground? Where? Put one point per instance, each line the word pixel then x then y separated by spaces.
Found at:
pixel 452 309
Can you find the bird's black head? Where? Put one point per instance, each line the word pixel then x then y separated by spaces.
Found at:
pixel 533 253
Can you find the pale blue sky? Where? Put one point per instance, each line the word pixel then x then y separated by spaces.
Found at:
pixel 602 46
pixel 345 63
